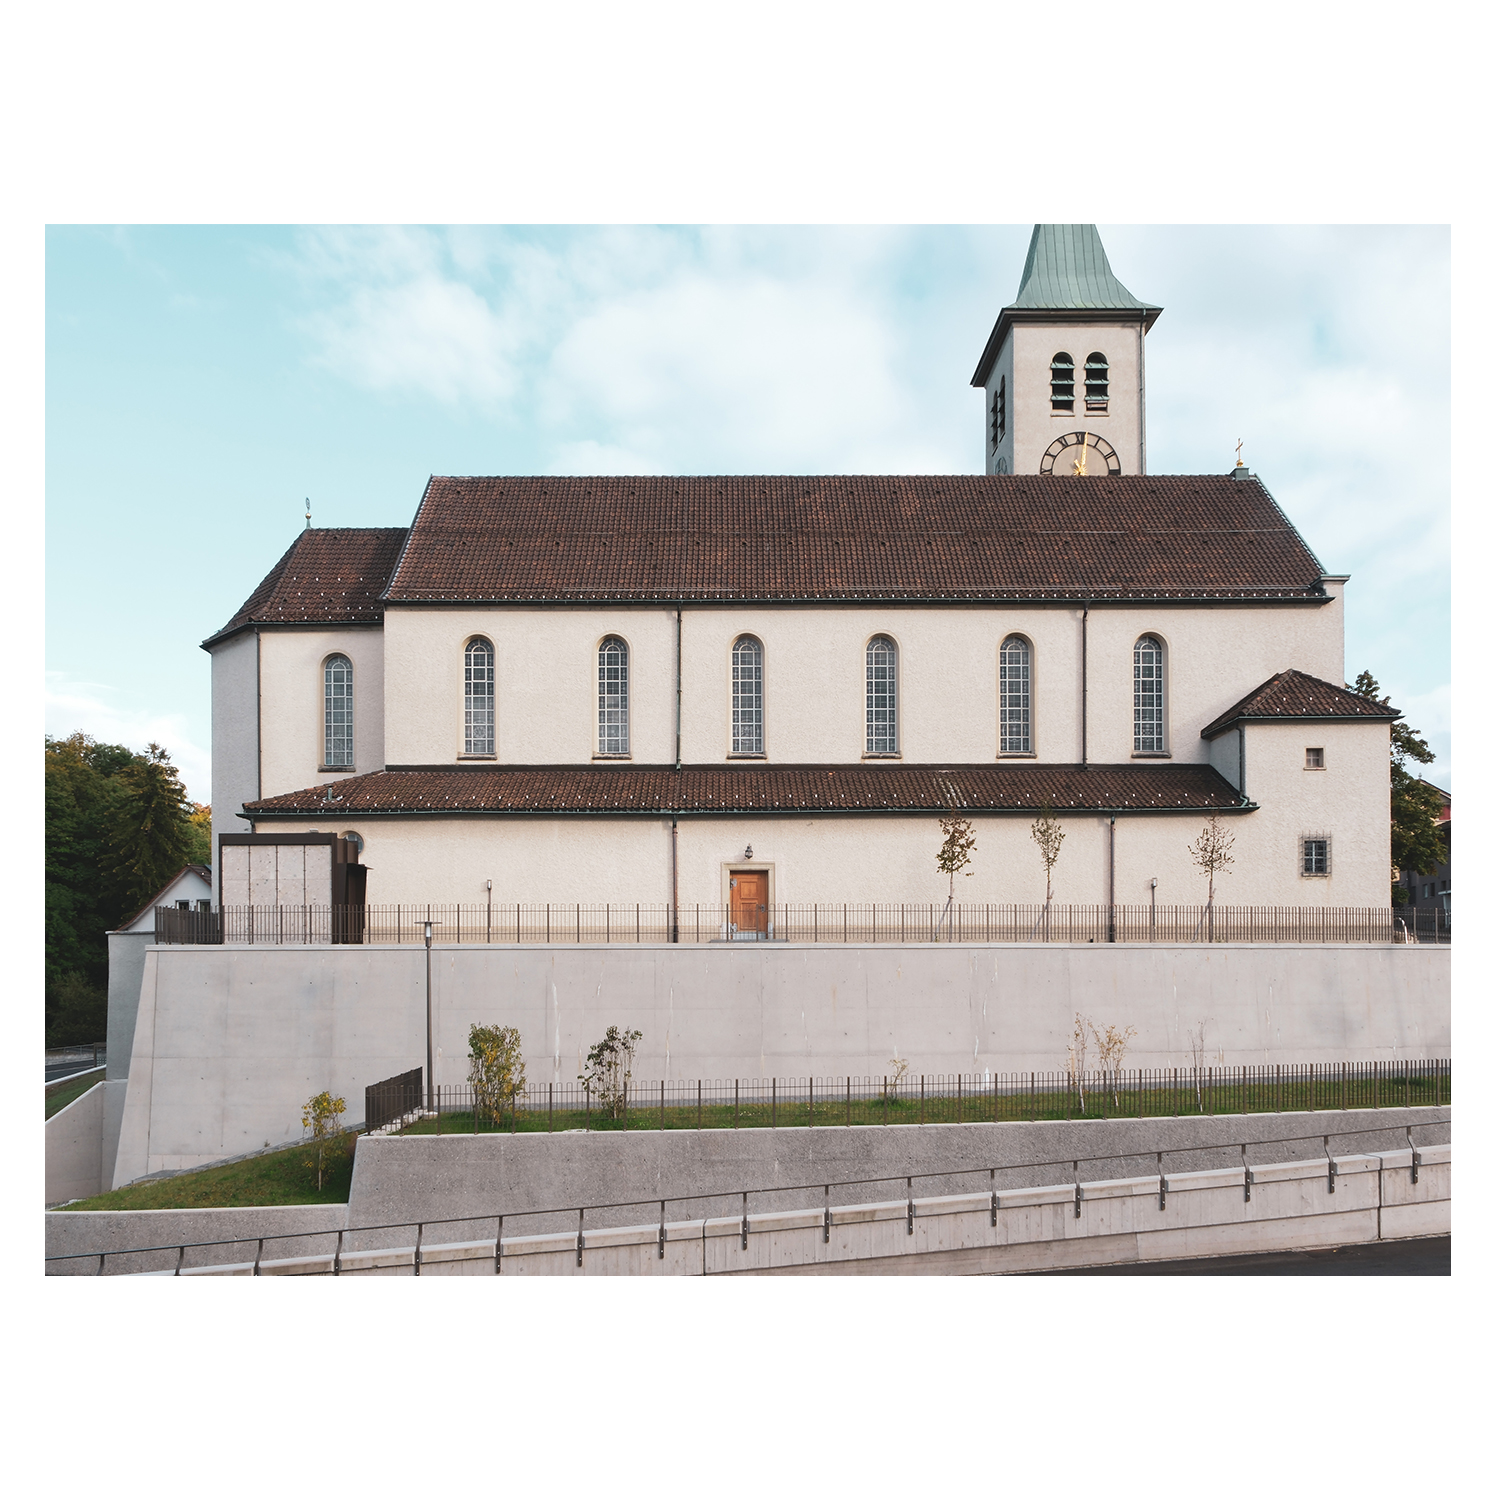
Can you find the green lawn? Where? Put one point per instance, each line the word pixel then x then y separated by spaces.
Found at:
pixel 69 1090
pixel 282 1178
pixel 1288 1096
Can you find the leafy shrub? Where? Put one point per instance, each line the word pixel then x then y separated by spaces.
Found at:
pixel 496 1071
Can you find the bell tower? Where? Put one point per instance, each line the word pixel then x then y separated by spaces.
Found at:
pixel 1062 374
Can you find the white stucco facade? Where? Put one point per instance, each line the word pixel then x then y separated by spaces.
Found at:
pixel 1024 366
pixel 546 667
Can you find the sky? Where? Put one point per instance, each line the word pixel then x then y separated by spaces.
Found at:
pixel 203 383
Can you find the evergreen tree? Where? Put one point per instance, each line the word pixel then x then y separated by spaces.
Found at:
pixel 1415 840
pixel 151 835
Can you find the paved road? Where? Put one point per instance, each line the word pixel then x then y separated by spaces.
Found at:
pixel 1406 1256
pixel 56 1071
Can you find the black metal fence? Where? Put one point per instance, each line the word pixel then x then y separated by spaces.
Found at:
pixel 394 1098
pixel 908 1098
pixel 576 923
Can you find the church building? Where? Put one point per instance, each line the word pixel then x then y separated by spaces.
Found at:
pixel 759 691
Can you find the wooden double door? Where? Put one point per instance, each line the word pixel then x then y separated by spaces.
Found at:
pixel 749 902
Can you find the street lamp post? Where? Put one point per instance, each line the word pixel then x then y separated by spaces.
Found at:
pixel 429 1015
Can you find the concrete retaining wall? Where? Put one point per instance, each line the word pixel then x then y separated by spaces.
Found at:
pixel 425 1177
pixel 1287 1205
pixel 230 1042
pixel 75 1148
pixel 422 1176
pixel 91 1232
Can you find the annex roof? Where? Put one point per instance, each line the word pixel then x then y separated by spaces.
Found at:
pixel 328 576
pixel 1293 694
pixel 740 790
pixel 918 538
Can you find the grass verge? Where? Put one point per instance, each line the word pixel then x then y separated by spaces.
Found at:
pixel 283 1178
pixel 1290 1096
pixel 69 1090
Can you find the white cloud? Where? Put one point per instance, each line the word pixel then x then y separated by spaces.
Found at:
pixel 74 706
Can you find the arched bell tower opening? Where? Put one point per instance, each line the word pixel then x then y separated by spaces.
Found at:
pixel 1063 370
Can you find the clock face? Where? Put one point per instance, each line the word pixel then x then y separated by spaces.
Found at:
pixel 1083 454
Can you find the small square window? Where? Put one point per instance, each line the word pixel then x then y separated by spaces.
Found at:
pixel 1315 856
pixel 1315 759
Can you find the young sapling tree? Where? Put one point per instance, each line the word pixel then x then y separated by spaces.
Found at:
pixel 610 1066
pixel 1211 853
pixel 1076 1059
pixel 1048 836
pixel 1197 1039
pixel 954 856
pixel 1112 1045
pixel 321 1115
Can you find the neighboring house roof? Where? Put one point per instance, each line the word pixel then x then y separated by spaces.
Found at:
pixel 331 576
pixel 1066 271
pixel 166 892
pixel 737 790
pixel 1444 794
pixel 933 538
pixel 1293 694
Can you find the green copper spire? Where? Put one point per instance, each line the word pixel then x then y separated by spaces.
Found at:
pixel 1068 267
pixel 1066 274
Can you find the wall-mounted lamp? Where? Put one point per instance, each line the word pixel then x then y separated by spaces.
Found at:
pixel 748 851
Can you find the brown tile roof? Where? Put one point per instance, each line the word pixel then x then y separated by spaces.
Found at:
pixel 943 537
pixel 1293 694
pixel 332 576
pixel 660 790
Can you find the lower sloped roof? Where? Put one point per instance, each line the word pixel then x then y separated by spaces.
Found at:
pixel 747 790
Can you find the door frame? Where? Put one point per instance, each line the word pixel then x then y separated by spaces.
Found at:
pixel 750 866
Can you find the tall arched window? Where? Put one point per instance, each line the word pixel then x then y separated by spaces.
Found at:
pixel 478 698
pixel 997 415
pixel 1063 383
pixel 338 713
pixel 748 696
pixel 1097 382
pixel 881 685
pixel 1014 696
pixel 1149 696
pixel 613 696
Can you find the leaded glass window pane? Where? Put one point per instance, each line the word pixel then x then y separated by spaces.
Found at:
pixel 338 713
pixel 478 698
pixel 1149 696
pixel 613 696
pixel 882 713
pixel 748 696
pixel 1014 696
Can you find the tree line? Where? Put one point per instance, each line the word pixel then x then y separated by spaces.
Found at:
pixel 119 825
